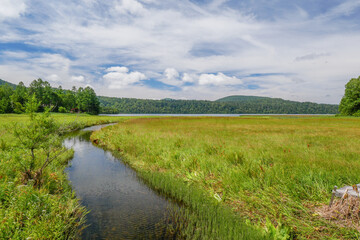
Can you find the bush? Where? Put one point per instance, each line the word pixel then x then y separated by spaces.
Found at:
pixel 62 110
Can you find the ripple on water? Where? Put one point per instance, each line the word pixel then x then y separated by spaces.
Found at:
pixel 121 206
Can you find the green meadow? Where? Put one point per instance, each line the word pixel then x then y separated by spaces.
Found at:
pixel 244 177
pixel 234 178
pixel 47 212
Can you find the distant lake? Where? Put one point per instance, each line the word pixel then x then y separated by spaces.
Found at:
pixel 205 115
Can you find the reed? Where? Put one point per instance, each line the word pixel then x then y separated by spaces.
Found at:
pixel 239 175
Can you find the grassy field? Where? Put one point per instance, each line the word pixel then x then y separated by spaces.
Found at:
pixel 48 212
pixel 271 172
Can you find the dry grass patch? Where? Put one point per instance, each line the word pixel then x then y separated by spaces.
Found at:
pixel 344 212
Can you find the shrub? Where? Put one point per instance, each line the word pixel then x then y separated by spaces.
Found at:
pixel 62 110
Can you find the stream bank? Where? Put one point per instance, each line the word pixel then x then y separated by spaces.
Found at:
pixel 120 205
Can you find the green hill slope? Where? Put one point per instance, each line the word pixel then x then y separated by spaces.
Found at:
pixel 242 98
pixel 2 82
pixel 236 104
pixel 227 105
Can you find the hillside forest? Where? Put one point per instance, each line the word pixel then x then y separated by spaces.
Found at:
pixel 228 105
pixel 14 97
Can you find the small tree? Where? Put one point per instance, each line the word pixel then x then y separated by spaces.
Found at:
pixel 350 103
pixel 40 139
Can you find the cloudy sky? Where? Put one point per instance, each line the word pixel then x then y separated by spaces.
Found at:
pixel 302 50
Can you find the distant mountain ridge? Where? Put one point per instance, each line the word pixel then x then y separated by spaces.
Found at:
pixel 236 104
pixel 228 105
pixel 245 98
pixel 240 98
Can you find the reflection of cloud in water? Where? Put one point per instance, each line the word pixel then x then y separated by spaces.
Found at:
pixel 120 205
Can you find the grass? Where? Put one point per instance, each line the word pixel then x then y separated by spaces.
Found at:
pixel 50 212
pixel 268 172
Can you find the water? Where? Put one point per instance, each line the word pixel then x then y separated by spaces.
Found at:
pixel 121 206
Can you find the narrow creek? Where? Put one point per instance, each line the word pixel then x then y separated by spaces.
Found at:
pixel 121 206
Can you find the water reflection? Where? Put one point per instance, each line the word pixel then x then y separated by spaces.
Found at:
pixel 121 206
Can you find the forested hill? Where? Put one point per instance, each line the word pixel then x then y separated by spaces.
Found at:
pixel 2 82
pixel 13 99
pixel 242 98
pixel 227 105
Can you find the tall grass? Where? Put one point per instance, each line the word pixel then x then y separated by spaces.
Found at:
pixel 51 211
pixel 271 171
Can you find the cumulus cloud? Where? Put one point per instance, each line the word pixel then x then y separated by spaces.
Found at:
pixel 188 77
pixel 11 8
pixel 53 78
pixel 117 69
pixel 79 79
pixel 171 77
pixel 121 77
pixel 171 73
pixel 218 79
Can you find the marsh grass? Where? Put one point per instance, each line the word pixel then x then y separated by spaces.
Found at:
pixel 47 212
pixel 273 172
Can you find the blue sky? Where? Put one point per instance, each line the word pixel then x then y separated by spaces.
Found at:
pixel 299 50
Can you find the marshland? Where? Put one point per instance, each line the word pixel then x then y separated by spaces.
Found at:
pixel 245 175
pixel 228 119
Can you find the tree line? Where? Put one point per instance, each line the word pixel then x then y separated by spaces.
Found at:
pixel 13 98
pixel 260 105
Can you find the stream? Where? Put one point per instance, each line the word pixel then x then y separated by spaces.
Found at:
pixel 121 206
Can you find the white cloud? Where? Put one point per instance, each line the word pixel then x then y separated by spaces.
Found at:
pixel 171 77
pixel 130 6
pixel 52 61
pixel 53 78
pixel 117 69
pixel 90 86
pixel 188 77
pixel 218 79
pixel 11 8
pixel 14 55
pixel 53 68
pixel 344 9
pixel 120 77
pixel 78 79
pixel 215 4
pixel 153 35
pixel 171 73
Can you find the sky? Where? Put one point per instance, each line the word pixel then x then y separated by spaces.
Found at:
pixel 302 50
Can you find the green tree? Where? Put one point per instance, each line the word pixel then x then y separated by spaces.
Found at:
pixel 5 102
pixel 45 94
pixel 19 98
pixel 40 140
pixel 350 103
pixel 69 99
pixel 87 100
